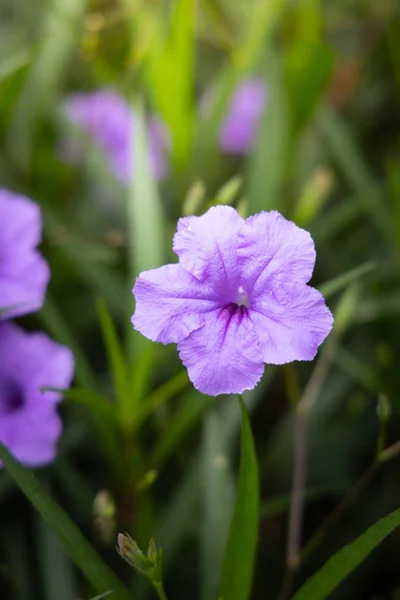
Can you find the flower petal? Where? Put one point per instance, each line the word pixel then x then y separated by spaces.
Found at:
pixel 24 274
pixel 291 321
pixel 34 435
pixel 223 356
pixel 270 246
pixel 170 304
pixel 206 247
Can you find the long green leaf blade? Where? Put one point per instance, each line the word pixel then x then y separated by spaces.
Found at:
pixel 347 559
pixel 237 568
pixel 70 536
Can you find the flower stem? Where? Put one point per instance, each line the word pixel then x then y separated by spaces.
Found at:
pixel 158 586
pixel 299 472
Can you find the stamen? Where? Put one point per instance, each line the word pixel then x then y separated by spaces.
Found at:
pixel 243 298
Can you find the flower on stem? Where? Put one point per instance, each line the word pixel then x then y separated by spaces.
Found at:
pixel 238 298
pixel 29 423
pixel 24 273
pixel 109 121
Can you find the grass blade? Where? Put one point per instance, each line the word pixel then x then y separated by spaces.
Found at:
pixel 338 283
pixel 171 75
pixel 70 536
pixel 237 568
pixel 346 153
pixel 267 166
pixel 347 559
pixel 217 496
pixel 117 363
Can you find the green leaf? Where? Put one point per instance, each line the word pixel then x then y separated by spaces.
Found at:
pixel 55 323
pixel 101 596
pixel 145 211
pixel 170 70
pixel 191 411
pixel 146 251
pixel 70 536
pixel 159 396
pixel 267 166
pixel 338 283
pixel 238 563
pixel 58 574
pixel 308 68
pixel 61 30
pixel 217 498
pixel 339 139
pixel 320 585
pixel 117 363
pixel 104 415
pixel 13 63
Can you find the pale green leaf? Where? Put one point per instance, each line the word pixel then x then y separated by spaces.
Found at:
pixel 239 558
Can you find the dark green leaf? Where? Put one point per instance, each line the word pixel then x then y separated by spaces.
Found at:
pixel 70 536
pixel 238 563
pixel 347 559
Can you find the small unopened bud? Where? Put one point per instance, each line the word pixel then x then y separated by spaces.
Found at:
pixel 228 192
pixel 130 551
pixel 383 409
pixel 147 481
pixel 150 566
pixel 104 516
pixel 194 198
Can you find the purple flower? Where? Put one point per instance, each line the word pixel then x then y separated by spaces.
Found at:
pixel 109 121
pixel 24 274
pixel 237 299
pixel 29 423
pixel 239 128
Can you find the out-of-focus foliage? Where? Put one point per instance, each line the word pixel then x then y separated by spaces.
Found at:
pixel 327 155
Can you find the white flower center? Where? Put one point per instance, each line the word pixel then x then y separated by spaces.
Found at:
pixel 242 298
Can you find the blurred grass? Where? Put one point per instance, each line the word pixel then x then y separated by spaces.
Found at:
pixel 327 155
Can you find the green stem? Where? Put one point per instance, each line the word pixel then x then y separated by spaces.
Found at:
pixel 158 586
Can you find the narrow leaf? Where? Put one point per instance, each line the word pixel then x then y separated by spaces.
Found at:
pixel 347 155
pixel 217 497
pixel 347 559
pixel 268 163
pixel 116 359
pixel 338 283
pixel 171 75
pixel 238 563
pixel 70 536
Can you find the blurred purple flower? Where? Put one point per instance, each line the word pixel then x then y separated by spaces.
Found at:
pixel 29 423
pixel 239 128
pixel 237 299
pixel 24 274
pixel 109 121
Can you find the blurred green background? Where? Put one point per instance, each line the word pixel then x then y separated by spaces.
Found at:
pixel 164 458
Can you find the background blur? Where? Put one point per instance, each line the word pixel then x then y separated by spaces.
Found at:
pixel 327 155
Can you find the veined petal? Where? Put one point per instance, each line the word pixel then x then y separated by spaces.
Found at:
pixel 206 247
pixel 270 246
pixel 170 304
pixel 291 321
pixel 223 356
